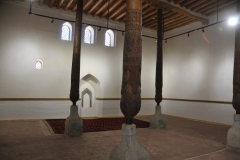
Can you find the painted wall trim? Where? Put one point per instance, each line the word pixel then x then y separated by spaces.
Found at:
pixel 35 99
pixel 174 99
pixel 66 99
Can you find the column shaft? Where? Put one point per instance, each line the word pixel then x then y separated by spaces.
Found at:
pixel 159 63
pixel 236 72
pixel 75 75
pixel 132 61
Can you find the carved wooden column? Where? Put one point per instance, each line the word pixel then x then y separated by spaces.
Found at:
pixel 73 124
pixel 132 61
pixel 158 120
pixel 233 136
pixel 131 84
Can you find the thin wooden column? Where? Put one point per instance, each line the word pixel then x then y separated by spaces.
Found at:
pixel 132 60
pixel 158 120
pixel 159 62
pixel 74 123
pixel 75 76
pixel 233 135
pixel 236 72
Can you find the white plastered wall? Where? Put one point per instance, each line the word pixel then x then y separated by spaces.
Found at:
pixel 192 68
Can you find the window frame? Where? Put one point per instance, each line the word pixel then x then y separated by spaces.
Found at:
pixel 69 26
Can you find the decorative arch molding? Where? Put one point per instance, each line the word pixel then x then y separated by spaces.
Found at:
pixel 87 91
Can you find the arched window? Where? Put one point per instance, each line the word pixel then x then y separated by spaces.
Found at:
pixel 66 31
pixel 109 38
pixel 89 35
pixel 39 64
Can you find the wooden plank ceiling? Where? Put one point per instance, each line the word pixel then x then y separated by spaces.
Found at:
pixel 173 18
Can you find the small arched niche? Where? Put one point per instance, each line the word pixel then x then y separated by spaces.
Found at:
pixel 87 91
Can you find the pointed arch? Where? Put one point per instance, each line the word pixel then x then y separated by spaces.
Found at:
pixel 87 91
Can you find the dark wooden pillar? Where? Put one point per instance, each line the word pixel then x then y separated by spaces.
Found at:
pixel 74 92
pixel 132 60
pixel 159 63
pixel 236 72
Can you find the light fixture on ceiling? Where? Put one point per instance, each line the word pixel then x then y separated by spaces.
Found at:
pixel 188 34
pixel 203 30
pixel 233 21
pixel 52 21
pixel 165 40
pixel 122 33
pixel 99 29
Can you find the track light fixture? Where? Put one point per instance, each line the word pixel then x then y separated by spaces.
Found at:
pixel 188 34
pixel 203 30
pixel 52 21
pixel 123 33
pixel 99 29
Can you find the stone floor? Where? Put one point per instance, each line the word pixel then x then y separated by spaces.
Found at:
pixel 182 140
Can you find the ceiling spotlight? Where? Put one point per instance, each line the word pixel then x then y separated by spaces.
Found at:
pixel 99 29
pixel 203 30
pixel 122 33
pixel 188 34
pixel 52 21
pixel 233 21
pixel 165 40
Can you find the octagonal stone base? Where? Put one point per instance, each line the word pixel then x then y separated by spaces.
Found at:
pixel 74 123
pixel 233 136
pixel 158 120
pixel 129 149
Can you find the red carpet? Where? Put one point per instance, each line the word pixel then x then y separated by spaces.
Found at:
pixel 95 125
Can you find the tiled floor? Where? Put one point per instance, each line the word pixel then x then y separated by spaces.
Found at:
pixel 182 140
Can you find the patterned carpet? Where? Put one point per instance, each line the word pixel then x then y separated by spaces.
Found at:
pixel 95 125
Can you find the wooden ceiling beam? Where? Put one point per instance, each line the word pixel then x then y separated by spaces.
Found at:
pixel 202 5
pixel 104 6
pixel 179 17
pixel 183 20
pixel 50 4
pixel 178 26
pixel 144 6
pixel 150 23
pixel 148 9
pixel 214 10
pixel 178 1
pixel 166 15
pixel 111 8
pixel 165 5
pixel 212 7
pixel 121 15
pixel 68 4
pixel 60 4
pixel 41 2
pixel 87 4
pixel 195 4
pixel 95 4
pixel 183 4
pixel 149 18
pixel 149 14
pixel 206 7
pixel 119 10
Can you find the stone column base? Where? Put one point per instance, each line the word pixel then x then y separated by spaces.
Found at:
pixel 158 120
pixel 233 136
pixel 129 149
pixel 74 123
